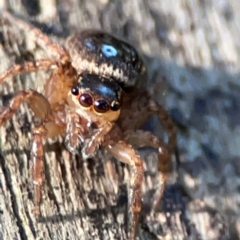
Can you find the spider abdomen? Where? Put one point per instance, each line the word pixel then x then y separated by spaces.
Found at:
pixel 100 53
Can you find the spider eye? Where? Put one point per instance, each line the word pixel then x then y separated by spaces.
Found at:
pixel 101 106
pixel 75 90
pixel 115 106
pixel 86 100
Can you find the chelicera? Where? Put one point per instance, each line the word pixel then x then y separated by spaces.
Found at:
pixel 95 97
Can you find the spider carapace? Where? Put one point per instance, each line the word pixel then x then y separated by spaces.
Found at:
pixel 95 96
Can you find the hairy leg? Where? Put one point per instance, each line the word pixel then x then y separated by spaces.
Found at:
pixel 125 153
pixel 37 167
pixel 142 138
pixel 41 108
pixel 43 40
pixel 36 101
pixel 141 109
pixel 28 67
pixel 164 153
pixel 61 79
pixel 39 37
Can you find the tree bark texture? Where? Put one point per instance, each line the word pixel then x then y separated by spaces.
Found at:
pixel 192 50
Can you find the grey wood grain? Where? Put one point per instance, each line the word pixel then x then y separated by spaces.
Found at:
pixel 192 51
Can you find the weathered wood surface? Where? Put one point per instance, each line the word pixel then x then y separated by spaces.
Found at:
pixel 195 46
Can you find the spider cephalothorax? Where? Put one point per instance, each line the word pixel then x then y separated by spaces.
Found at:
pixel 96 99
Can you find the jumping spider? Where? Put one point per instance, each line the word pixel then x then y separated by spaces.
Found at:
pixel 96 96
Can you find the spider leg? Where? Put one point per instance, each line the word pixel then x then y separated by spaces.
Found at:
pixel 41 108
pixel 142 138
pixel 43 40
pixel 37 155
pixel 125 153
pixel 164 153
pixel 37 102
pixel 28 67
pixel 138 113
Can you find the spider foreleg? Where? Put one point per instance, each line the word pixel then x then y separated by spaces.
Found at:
pixel 125 153
pixel 37 103
pixel 42 39
pixel 32 66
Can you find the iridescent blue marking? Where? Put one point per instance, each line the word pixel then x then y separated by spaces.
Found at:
pixel 109 50
pixel 103 89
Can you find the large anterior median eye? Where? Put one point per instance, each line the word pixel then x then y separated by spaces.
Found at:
pixel 101 106
pixel 86 100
